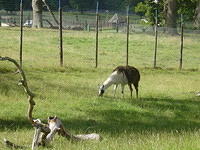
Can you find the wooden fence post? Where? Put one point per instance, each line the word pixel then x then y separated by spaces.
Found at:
pixel 181 50
pixel 127 38
pixel 21 34
pixel 61 35
pixel 97 33
pixel 156 38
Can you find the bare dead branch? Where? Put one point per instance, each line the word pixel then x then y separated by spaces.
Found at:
pixel 92 136
pixel 37 124
pixel 55 123
pixel 23 82
pixel 12 145
pixel 36 138
pixel 44 133
pixel 52 14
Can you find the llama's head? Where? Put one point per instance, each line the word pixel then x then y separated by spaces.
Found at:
pixel 101 90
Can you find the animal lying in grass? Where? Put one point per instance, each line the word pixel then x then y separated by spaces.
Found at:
pixel 122 75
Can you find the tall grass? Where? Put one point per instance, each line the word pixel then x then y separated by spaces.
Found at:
pixel 79 47
pixel 165 117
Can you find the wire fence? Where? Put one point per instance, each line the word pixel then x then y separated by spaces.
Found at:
pixel 74 20
pixel 79 47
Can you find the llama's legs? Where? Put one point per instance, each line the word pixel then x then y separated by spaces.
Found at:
pixel 115 89
pixel 131 89
pixel 122 86
pixel 136 88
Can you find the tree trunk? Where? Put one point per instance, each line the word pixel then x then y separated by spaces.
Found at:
pixel 171 14
pixel 37 13
pixel 197 16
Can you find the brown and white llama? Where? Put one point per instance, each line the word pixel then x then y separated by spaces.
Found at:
pixel 122 75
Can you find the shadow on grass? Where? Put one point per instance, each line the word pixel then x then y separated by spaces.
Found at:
pixel 131 116
pixel 146 115
pixel 14 124
pixel 143 116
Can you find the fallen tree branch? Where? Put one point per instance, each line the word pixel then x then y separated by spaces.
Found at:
pixel 23 82
pixel 12 145
pixel 56 125
pixel 37 124
pixel 44 133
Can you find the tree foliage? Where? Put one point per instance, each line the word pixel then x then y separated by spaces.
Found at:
pixel 189 8
pixel 9 5
pixel 81 4
pixel 185 7
pixel 148 8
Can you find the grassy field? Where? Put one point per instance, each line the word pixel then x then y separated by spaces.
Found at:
pixel 165 117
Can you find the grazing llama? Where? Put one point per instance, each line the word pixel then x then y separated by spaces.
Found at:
pixel 122 75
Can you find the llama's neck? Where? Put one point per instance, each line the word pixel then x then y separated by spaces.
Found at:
pixel 108 83
pixel 115 78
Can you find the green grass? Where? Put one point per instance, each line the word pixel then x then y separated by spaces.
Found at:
pixel 167 115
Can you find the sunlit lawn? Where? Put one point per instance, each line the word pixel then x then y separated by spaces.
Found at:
pixel 166 116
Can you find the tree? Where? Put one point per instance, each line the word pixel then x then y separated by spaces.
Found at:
pixel 197 15
pixel 53 4
pixel 148 8
pixel 190 10
pixel 27 4
pixel 187 9
pixel 113 5
pixel 9 5
pixel 171 16
pixel 82 5
pixel 37 6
